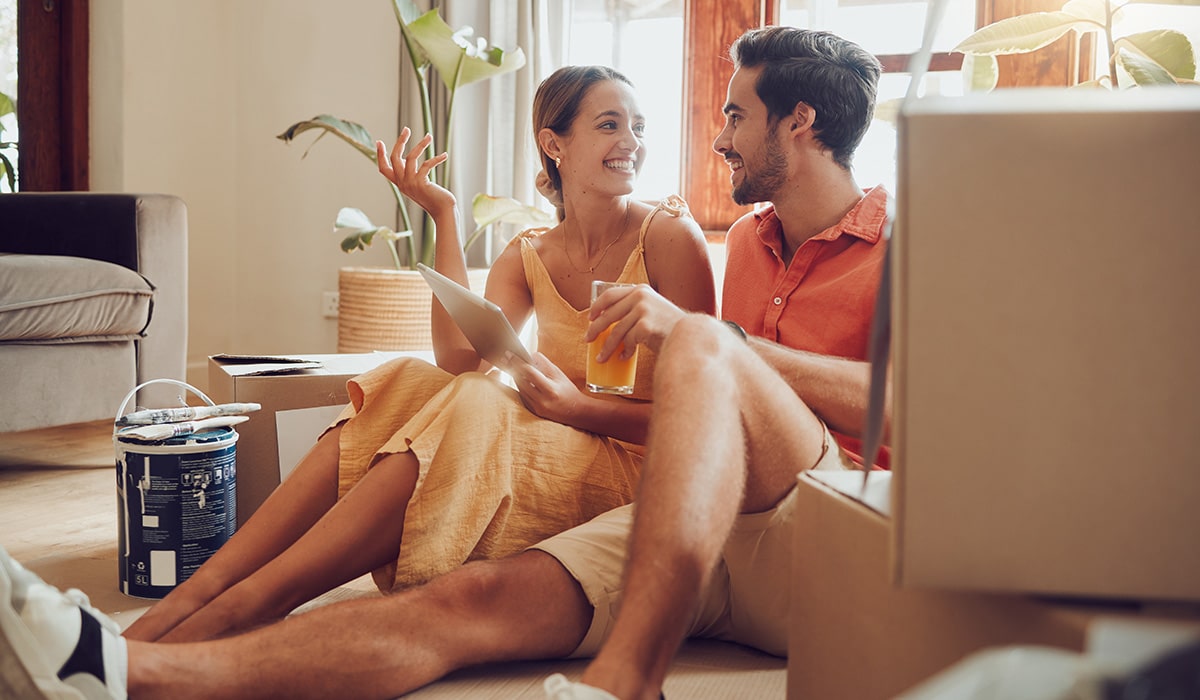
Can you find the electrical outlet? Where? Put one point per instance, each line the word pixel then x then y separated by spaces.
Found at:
pixel 329 304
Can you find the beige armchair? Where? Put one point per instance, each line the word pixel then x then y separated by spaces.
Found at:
pixel 93 301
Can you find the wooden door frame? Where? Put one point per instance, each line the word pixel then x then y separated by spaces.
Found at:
pixel 52 95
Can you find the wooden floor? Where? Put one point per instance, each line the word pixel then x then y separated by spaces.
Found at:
pixel 58 517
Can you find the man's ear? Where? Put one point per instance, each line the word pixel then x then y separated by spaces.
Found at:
pixel 802 118
pixel 548 141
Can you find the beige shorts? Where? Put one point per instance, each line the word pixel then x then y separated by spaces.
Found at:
pixel 747 601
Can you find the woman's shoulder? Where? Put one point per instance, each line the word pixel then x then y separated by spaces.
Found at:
pixel 671 217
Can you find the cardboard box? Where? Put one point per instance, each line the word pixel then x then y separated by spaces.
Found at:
pixel 279 384
pixel 1047 391
pixel 855 635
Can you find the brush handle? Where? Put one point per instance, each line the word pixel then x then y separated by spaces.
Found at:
pixel 166 431
pixel 186 413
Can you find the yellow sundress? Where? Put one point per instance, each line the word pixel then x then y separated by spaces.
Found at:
pixel 494 478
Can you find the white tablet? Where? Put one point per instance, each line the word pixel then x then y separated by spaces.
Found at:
pixel 481 321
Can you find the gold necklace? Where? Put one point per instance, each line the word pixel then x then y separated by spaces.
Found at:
pixel 621 234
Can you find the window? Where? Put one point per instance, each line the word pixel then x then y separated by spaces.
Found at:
pixel 892 30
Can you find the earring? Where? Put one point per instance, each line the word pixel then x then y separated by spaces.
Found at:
pixel 558 161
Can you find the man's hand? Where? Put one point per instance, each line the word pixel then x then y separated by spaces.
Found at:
pixel 639 316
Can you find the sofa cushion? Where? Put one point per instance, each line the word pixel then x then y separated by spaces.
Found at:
pixel 63 299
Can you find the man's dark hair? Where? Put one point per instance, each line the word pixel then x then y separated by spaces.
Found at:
pixel 836 77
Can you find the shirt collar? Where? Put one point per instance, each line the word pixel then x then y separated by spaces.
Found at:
pixel 865 220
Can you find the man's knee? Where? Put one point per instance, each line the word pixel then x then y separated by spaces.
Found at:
pixel 699 348
pixel 525 606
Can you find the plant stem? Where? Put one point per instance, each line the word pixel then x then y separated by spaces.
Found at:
pixel 1112 50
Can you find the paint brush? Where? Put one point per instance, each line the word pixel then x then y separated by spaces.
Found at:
pixel 185 413
pixel 166 431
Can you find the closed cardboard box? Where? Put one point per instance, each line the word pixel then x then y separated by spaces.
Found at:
pixel 1047 372
pixel 279 384
pixel 853 634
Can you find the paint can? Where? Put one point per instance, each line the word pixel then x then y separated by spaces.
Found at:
pixel 176 503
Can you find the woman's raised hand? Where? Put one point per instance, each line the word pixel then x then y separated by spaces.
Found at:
pixel 412 176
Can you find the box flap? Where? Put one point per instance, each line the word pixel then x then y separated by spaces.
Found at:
pixel 875 493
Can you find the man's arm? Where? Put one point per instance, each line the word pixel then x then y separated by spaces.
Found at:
pixel 835 388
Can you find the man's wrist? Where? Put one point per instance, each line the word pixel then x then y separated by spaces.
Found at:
pixel 737 329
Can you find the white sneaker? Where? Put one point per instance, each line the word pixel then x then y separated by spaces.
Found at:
pixel 56 642
pixel 557 687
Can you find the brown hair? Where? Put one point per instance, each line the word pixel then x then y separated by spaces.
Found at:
pixel 836 77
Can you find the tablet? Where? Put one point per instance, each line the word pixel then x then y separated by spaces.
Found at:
pixel 481 321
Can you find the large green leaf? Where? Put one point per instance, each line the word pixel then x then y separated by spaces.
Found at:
pixel 1021 34
pixel 407 12
pixel 348 131
pixel 458 60
pixel 1168 48
pixel 361 230
pixel 1143 71
pixel 980 73
pixel 488 209
pixel 7 106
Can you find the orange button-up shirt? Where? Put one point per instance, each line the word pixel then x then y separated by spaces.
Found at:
pixel 823 300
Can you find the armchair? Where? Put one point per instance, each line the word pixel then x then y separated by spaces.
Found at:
pixel 93 301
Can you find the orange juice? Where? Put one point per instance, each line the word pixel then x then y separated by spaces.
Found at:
pixel 614 376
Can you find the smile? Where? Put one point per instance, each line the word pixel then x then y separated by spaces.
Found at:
pixel 622 165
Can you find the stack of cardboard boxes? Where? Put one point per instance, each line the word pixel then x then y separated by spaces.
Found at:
pixel 1046 395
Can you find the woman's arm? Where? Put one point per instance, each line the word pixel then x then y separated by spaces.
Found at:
pixel 453 352
pixel 678 264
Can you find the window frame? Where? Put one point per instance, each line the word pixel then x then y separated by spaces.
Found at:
pixel 52 95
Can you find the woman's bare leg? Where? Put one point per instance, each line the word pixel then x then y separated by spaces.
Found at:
pixel 307 494
pixel 359 533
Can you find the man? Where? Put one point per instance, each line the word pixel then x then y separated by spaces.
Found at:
pixel 733 422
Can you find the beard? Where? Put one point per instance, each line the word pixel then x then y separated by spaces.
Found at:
pixel 760 183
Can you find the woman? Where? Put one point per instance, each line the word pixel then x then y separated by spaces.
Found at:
pixel 429 467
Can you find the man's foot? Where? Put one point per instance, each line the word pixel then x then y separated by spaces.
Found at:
pixel 557 687
pixel 56 642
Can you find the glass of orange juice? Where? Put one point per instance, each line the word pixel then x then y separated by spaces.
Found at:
pixel 613 376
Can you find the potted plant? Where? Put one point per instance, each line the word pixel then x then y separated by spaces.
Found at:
pixel 382 308
pixel 1157 57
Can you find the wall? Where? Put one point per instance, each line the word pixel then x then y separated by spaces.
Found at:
pixel 187 98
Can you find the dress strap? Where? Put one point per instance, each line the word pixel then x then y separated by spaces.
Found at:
pixel 673 205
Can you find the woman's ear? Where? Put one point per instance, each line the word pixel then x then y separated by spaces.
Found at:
pixel 548 142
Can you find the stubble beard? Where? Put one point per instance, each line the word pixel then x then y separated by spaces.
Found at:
pixel 761 187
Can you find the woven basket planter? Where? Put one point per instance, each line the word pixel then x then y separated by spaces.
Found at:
pixel 385 309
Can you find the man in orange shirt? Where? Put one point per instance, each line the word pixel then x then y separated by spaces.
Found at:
pixel 736 416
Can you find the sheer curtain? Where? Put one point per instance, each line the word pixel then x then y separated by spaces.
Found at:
pixel 494 148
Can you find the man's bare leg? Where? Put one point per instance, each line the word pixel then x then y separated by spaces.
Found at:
pixel 525 607
pixel 709 385
pixel 289 512
pixel 359 533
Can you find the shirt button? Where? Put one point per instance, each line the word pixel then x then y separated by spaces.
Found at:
pixel 778 301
